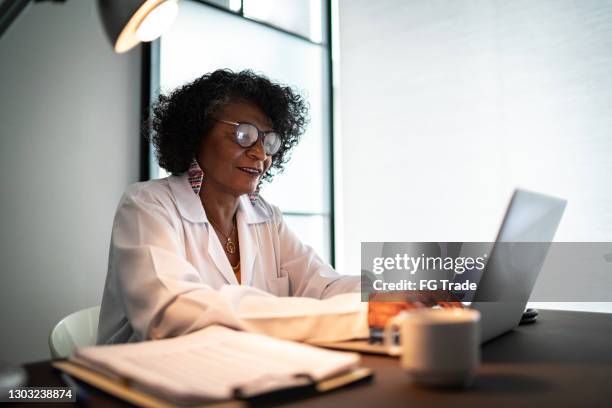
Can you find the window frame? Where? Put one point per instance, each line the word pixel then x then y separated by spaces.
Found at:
pixel 150 85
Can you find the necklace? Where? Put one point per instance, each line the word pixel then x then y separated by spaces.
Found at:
pixel 230 246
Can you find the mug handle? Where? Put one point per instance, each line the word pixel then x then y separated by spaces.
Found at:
pixel 394 322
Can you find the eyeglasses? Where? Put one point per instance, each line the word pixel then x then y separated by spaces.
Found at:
pixel 247 134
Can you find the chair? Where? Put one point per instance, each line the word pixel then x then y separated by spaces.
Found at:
pixel 76 330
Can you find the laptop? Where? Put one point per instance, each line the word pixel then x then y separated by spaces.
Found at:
pixel 530 217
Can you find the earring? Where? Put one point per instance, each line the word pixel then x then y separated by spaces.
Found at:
pixel 254 196
pixel 196 176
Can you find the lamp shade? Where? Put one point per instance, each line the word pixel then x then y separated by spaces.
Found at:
pixel 128 22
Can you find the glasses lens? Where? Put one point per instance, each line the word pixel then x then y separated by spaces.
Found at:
pixel 246 135
pixel 272 143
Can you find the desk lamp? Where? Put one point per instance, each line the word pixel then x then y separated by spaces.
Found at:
pixel 126 22
pixel 129 22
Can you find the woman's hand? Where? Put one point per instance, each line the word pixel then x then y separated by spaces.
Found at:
pixel 384 306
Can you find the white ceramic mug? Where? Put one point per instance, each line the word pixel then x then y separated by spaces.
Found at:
pixel 438 347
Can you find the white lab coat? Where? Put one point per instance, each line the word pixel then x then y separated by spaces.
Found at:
pixel 168 273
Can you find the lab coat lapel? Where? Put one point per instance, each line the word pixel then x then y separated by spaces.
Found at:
pixel 247 237
pixel 218 256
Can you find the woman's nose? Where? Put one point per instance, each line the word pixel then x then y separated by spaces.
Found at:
pixel 257 150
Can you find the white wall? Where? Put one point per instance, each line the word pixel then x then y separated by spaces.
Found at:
pixel 69 126
pixel 447 106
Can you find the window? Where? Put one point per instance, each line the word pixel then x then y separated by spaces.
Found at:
pixel 205 38
pixel 301 17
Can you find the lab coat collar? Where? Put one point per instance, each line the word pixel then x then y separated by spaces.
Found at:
pixel 190 207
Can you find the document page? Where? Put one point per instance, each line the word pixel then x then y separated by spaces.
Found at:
pixel 214 362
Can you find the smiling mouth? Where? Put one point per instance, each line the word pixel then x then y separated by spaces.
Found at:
pixel 250 170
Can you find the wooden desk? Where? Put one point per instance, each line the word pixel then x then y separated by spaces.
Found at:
pixel 565 359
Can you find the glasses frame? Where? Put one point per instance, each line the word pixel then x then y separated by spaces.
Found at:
pixel 260 134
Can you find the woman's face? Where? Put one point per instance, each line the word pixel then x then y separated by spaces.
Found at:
pixel 228 166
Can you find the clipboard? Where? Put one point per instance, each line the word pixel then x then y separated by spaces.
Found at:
pixel 124 390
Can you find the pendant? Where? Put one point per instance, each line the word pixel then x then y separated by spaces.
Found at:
pixel 230 247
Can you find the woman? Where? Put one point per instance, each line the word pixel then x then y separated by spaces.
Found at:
pixel 201 246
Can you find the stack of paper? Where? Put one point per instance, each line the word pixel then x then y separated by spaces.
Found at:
pixel 215 363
